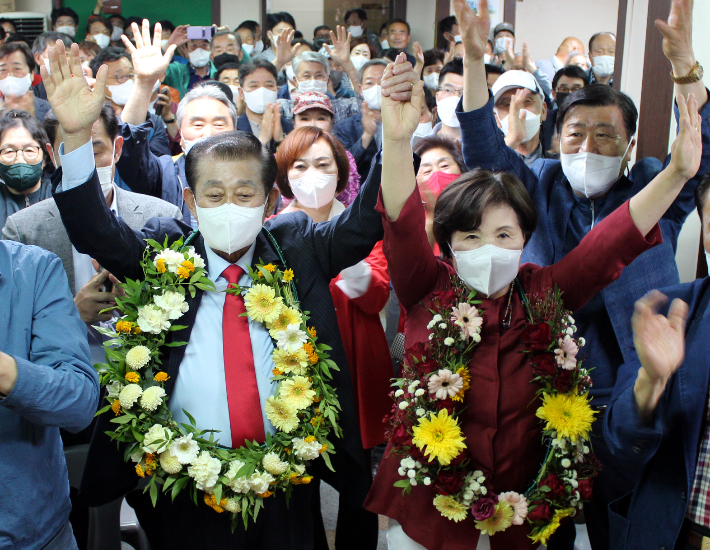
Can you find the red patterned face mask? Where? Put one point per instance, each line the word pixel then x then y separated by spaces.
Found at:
pixel 438 181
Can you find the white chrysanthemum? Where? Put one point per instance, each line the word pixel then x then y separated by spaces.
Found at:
pixel 157 439
pixel 185 449
pixel 152 319
pixel 137 357
pixel 129 395
pixel 232 506
pixel 195 258
pixel 173 303
pixel 114 389
pixel 306 450
pixel 292 338
pixel 448 341
pixel 172 259
pixel 259 481
pixel 169 463
pixel 273 464
pixel 152 398
pixel 300 469
pixel 205 471
pixel 237 484
pixel 137 456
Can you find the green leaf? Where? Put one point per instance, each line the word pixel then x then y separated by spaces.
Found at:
pixel 178 327
pixel 153 492
pixel 123 419
pixel 402 483
pixel 103 410
pixel 191 418
pixel 178 486
pixel 326 459
pixel 155 244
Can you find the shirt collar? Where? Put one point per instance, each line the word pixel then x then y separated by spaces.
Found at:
pixel 114 206
pixel 216 264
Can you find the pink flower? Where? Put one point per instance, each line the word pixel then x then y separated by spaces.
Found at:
pixel 466 316
pixel 567 353
pixel 445 384
pixel 519 504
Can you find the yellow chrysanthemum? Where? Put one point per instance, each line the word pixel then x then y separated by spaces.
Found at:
pixel 312 332
pixel 308 348
pixel 277 372
pixel 499 521
pixel 546 532
pixel 133 377
pixel 136 330
pixel 124 326
pixel 139 470
pixel 187 264
pixel 439 437
pixel 450 508
pixel 323 449
pixel 265 494
pixel 116 407
pixel 313 359
pixel 149 459
pixel 270 268
pixel 466 377
pixel 290 361
pixel 310 439
pixel 288 316
pixel 262 304
pixel 161 377
pixel 305 480
pixel 316 421
pixel 297 391
pixel 160 265
pixel 282 414
pixel 568 414
pixel 288 275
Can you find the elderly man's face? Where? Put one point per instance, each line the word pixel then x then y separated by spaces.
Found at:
pixel 247 36
pixel 204 117
pixel 598 130
pixel 226 43
pixel 310 70
pixel 14 64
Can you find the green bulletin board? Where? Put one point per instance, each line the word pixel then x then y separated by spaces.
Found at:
pixel 180 12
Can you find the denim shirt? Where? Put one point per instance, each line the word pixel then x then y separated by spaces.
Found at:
pixel 56 388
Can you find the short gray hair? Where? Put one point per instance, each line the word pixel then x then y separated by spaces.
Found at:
pixel 311 57
pixel 227 33
pixel 205 91
pixel 50 38
pixel 369 64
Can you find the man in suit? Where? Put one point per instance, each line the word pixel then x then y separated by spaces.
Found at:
pixel 595 124
pixel 556 62
pixel 230 178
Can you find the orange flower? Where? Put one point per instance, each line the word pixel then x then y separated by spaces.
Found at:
pixel 133 377
pixel 323 448
pixel 149 459
pixel 139 470
pixel 211 501
pixel 124 326
pixel 277 372
pixel 270 268
pixel 183 272
pixel 294 479
pixel 137 330
pixel 287 450
pixel 160 265
pixel 312 332
pixel 316 421
pixel 310 439
pixel 266 494
pixel 308 348
pixel 187 264
pixel 149 471
pixel 116 407
pixel 316 399
pixel 313 359
pixel 305 480
pixel 161 377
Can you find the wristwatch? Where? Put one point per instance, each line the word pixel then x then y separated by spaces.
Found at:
pixel 169 121
pixel 695 74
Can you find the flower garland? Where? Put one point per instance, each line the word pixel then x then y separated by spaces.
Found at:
pixel 425 428
pixel 304 408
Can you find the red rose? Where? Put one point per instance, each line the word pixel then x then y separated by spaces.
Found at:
pixel 418 351
pixel 483 508
pixel 537 337
pixel 425 367
pixel 446 298
pixel 400 436
pixel 585 488
pixel 554 483
pixel 563 381
pixel 541 512
pixel 544 365
pixel 447 404
pixel 449 483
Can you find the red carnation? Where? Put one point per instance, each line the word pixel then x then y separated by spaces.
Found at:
pixel 585 488
pixel 483 508
pixel 544 365
pixel 563 381
pixel 446 298
pixel 418 351
pixel 426 367
pixel 541 512
pixel 555 484
pixel 400 436
pixel 537 337
pixel 447 404
pixel 449 483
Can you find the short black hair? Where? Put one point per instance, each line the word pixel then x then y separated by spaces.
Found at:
pixel 50 38
pixel 600 95
pixel 117 16
pixel 245 69
pixel 3 34
pixel 432 56
pixel 248 24
pixel 384 26
pixel 494 69
pixel 320 28
pixel 461 204
pixel 226 67
pixel 455 66
pixel 447 23
pixel 361 14
pixel 571 71
pixel 100 19
pixel 107 116
pixel 701 194
pixel 228 146
pixel 398 20
pixel 302 41
pixel 597 35
pixel 62 12
pixel 14 118
pixel 273 19
pixel 107 55
pixel 137 20
pixel 167 25
pixel 441 142
pixel 390 53
pixel 12 47
pixel 429 99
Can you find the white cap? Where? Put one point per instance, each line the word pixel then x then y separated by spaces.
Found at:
pixel 511 80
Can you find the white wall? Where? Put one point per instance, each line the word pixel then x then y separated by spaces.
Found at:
pixel 307 13
pixel 38 6
pixel 232 13
pixel 421 16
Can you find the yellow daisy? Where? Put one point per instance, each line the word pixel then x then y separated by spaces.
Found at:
pixel 282 414
pixel 499 521
pixel 450 508
pixel 288 316
pixel 290 361
pixel 546 532
pixel 288 275
pixel 568 414
pixel 262 305
pixel 270 268
pixel 133 377
pixel 440 435
pixel 297 391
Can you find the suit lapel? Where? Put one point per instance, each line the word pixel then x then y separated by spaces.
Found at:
pixel 60 243
pixel 128 209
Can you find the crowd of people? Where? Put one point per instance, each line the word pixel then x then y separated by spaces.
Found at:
pixel 466 221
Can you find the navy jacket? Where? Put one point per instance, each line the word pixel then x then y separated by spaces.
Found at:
pixel 484 147
pixel 349 132
pixel 317 253
pixel 244 126
pixel 665 453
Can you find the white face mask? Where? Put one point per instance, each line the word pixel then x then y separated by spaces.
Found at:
pixel 235 92
pixel 105 174
pixel 590 174
pixel 373 97
pixel 259 99
pixel 532 125
pixel 68 29
pixel 258 47
pixel 355 31
pixel 447 111
pixel 488 269
pixel 458 39
pixel 503 44
pixel 230 227
pixel 385 44
pixel 432 81
pixel 358 61
pixel 707 259
pixel 248 48
pixel 121 92
pixel 13 86
pixel 424 129
pixel 189 144
pixel 290 75
pixel 199 57
pixel 101 40
pixel 320 86
pixel 603 65
pixel 116 33
pixel 314 189
pixel 164 43
pixel 486 58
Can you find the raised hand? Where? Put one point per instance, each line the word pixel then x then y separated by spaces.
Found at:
pixel 516 118
pixel 267 124
pixel 530 65
pixel 687 149
pixel 678 33
pixel 75 105
pixel 340 50
pixel 149 63
pixel 399 81
pixel 178 36
pixel 401 117
pixel 284 51
pixel 474 28
pixel 278 132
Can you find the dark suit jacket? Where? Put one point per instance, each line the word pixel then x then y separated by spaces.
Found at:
pixel 244 126
pixel 664 453
pixel 316 252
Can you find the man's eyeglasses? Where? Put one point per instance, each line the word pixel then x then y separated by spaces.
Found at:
pixel 451 90
pixel 121 78
pixel 30 153
pixel 568 90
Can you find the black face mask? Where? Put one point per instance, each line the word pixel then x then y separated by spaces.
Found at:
pixel 224 58
pixel 336 77
pixel 561 96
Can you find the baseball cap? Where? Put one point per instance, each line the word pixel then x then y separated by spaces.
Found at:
pixel 312 100
pixel 511 80
pixel 503 27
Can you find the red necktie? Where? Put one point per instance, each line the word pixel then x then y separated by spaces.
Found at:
pixel 242 391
